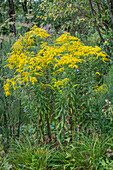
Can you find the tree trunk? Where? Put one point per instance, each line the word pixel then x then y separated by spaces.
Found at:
pixel 24 6
pixel 30 7
pixel 12 17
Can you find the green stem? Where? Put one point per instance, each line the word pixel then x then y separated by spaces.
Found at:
pixel 19 119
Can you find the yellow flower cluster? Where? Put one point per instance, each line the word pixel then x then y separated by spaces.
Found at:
pixel 59 83
pixel 102 88
pixel 33 58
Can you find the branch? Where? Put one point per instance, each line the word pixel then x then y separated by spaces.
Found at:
pixel 112 6
pixel 110 10
pixel 97 28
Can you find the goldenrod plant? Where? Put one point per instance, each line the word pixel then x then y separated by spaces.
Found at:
pixel 56 80
pixel 32 58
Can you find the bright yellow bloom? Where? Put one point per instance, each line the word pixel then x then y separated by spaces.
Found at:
pixel 33 59
pixel 60 83
pixel 102 88
pixel 97 73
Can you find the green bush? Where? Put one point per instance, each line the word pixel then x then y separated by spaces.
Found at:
pixel 56 80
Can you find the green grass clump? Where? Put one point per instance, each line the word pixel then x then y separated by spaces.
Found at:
pixel 86 152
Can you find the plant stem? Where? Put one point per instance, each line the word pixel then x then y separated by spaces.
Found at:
pixel 19 118
pixel 48 127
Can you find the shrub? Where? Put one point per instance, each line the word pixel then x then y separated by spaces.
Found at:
pixel 56 80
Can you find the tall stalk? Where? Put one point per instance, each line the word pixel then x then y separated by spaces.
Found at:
pixel 70 122
pixel 48 127
pixel 6 126
pixel 19 121
pixel 41 127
